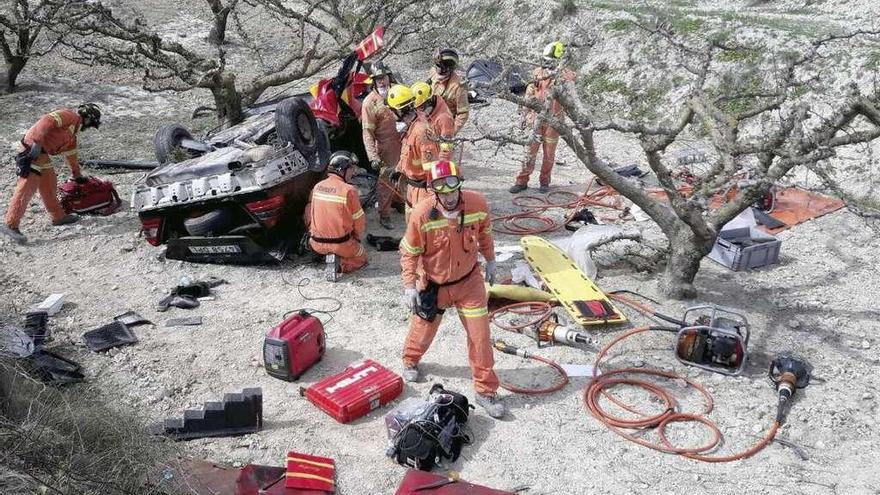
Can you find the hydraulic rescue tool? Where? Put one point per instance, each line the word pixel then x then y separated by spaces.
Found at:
pixel 789 373
pixel 715 339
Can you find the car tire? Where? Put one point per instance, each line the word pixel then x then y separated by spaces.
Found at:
pixel 215 222
pixel 295 124
pixel 166 142
pixel 322 153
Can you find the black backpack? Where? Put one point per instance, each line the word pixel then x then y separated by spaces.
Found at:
pixel 437 433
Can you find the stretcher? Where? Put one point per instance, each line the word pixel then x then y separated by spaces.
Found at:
pixel 584 302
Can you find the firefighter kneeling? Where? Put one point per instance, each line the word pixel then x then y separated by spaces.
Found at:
pixel 444 233
pixel 335 218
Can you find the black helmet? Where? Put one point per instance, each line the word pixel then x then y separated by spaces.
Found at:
pixel 341 161
pixel 90 115
pixel 445 60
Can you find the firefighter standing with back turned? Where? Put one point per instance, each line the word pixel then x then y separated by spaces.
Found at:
pixel 54 134
pixel 444 233
pixel 335 218
pixel 421 145
pixel 447 84
pixel 381 139
pixel 543 135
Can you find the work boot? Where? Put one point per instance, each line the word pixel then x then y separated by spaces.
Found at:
pixel 66 219
pixel 331 267
pixel 492 404
pixel 411 373
pixel 517 188
pixel 13 234
pixel 545 188
pixel 386 222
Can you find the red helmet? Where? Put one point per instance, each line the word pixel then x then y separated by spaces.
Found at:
pixel 444 176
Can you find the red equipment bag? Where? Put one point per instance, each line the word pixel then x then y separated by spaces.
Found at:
pixel 421 482
pixel 362 387
pixel 93 197
pixel 309 472
pixel 255 479
pixel 294 346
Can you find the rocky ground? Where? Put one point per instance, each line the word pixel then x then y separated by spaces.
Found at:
pixel 820 301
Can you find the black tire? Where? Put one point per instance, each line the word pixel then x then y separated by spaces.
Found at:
pixel 295 124
pixel 322 153
pixel 366 186
pixel 166 142
pixel 215 222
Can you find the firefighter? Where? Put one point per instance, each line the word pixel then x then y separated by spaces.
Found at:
pixel 335 218
pixel 54 134
pixel 446 83
pixel 381 139
pixel 438 114
pixel 543 135
pixel 444 233
pixel 420 143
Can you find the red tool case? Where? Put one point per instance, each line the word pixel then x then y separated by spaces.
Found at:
pixel 360 388
pixel 422 482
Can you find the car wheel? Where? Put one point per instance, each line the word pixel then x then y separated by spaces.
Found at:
pixel 366 186
pixel 322 154
pixel 295 124
pixel 212 223
pixel 166 143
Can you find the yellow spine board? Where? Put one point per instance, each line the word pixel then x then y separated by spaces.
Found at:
pixel 566 281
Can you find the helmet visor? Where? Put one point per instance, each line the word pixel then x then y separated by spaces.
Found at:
pixel 446 184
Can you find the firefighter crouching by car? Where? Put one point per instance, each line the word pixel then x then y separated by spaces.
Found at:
pixel 447 84
pixel 335 218
pixel 438 114
pixel 420 143
pixel 444 233
pixel 543 135
pixel 381 139
pixel 54 134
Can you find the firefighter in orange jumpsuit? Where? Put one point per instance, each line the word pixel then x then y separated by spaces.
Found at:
pixel 421 145
pixel 543 135
pixel 439 116
pixel 335 219
pixel 444 234
pixel 381 139
pixel 446 83
pixel 54 134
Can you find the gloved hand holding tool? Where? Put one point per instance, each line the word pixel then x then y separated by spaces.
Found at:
pixel 24 159
pixel 411 298
pixel 377 165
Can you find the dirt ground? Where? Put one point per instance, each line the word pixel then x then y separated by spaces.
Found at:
pixel 820 301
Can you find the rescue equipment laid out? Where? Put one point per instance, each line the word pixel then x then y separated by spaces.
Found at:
pixel 309 472
pixel 420 482
pixel 294 346
pixel 360 388
pixel 89 196
pixel 584 302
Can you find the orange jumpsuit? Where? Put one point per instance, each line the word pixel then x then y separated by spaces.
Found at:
pixel 336 222
pixel 540 89
pixel 382 142
pixel 56 133
pixel 443 124
pixel 455 94
pixel 420 147
pixel 445 251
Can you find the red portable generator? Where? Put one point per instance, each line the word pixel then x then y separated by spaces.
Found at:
pixel 94 196
pixel 293 346
pixel 360 388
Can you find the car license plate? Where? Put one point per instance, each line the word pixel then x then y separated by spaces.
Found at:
pixel 214 249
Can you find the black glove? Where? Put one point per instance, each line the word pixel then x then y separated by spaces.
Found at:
pixel 376 165
pixel 81 179
pixel 23 162
pixel 395 176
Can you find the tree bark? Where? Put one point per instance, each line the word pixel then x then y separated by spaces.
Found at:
pixel 217 35
pixel 686 251
pixel 226 99
pixel 13 69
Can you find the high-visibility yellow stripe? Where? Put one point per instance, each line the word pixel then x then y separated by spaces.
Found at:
pixel 488 230
pixel 436 224
pixel 474 312
pixel 311 477
pixel 57 117
pixel 329 197
pixel 360 251
pixel 446 146
pixel 460 111
pixel 409 249
pixel 369 126
pixel 312 463
pixel 475 217
pixel 551 140
pixel 357 214
pixel 74 151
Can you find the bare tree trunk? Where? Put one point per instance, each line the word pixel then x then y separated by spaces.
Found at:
pixel 686 250
pixel 14 68
pixel 217 35
pixel 226 99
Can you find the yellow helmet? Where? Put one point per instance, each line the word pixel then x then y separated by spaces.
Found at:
pixel 400 97
pixel 422 92
pixel 554 51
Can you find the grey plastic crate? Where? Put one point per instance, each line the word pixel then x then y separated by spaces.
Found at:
pixel 745 248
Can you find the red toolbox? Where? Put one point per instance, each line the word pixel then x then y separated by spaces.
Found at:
pixel 293 346
pixel 360 388
pixel 422 482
